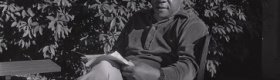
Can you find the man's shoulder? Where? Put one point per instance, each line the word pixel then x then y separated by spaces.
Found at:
pixel 188 14
pixel 189 18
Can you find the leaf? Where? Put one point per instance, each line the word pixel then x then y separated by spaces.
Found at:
pixel 66 30
pixel 71 17
pixel 223 31
pixel 106 48
pixel 21 24
pixel 122 18
pixel 21 43
pixel 211 67
pixel 34 24
pixel 29 20
pixel 63 2
pixel 227 38
pixel 241 16
pixel 52 51
pixel 18 14
pixel 11 8
pixel 58 29
pixel 13 16
pixel 33 42
pixel 26 32
pixel 27 44
pixel 5 8
pixel 17 8
pixel 113 23
pixel 51 25
pixel 7 17
pixel 106 7
pixel 97 1
pixel 24 14
pixel 68 4
pixel 121 22
pixel 50 18
pixel 55 45
pixel 55 37
pixel 115 2
pixel 63 35
pixel 56 1
pixel 206 13
pixel 1 49
pixel 44 7
pixel 36 29
pixel 45 49
pixel 14 24
pixel 228 29
pixel 30 12
pixel 102 36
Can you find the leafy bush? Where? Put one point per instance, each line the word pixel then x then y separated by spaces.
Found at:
pixel 38 29
pixel 64 30
pixel 228 20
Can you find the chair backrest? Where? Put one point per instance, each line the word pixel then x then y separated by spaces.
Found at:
pixel 201 50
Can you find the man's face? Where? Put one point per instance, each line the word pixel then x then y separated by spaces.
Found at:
pixel 166 8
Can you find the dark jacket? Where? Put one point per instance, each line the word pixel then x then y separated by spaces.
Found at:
pixel 166 44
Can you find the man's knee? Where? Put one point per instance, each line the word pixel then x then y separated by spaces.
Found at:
pixel 104 70
pixel 109 68
pixel 108 64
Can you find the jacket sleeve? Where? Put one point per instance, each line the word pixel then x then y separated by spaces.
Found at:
pixel 186 67
pixel 122 40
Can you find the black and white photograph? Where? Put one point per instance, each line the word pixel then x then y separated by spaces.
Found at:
pixel 139 40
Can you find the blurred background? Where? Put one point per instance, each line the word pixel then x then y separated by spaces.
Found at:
pixel 244 43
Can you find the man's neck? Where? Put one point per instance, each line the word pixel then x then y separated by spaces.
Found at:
pixel 157 18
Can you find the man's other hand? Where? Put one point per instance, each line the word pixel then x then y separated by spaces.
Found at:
pixel 140 71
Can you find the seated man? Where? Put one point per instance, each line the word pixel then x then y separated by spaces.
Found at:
pixel 159 42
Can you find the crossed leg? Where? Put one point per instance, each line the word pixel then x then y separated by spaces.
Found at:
pixel 105 70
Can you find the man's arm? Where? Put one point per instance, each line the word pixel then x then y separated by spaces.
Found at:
pixel 122 40
pixel 185 68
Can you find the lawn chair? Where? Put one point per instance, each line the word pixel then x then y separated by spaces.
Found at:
pixel 201 56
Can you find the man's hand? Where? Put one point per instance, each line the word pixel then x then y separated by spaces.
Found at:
pixel 140 71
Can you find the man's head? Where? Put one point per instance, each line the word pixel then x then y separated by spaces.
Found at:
pixel 166 8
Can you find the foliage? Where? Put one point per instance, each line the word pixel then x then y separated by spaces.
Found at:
pixel 105 25
pixel 37 29
pixel 228 20
pixel 64 30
